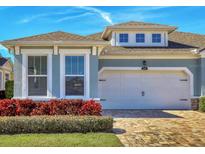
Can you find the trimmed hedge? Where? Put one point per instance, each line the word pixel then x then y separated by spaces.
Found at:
pixel 55 124
pixel 9 89
pixel 202 104
pixel 27 107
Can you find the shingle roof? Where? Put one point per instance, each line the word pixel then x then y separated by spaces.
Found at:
pixel 53 36
pixel 140 24
pixel 178 41
pixel 3 61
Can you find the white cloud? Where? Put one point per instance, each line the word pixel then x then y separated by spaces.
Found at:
pixel 73 17
pixel 70 14
pixel 31 18
pixel 105 15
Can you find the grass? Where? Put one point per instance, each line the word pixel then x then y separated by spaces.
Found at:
pixel 60 140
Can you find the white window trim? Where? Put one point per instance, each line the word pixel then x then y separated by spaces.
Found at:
pixel 2 79
pixel 75 52
pixel 25 74
pixel 7 72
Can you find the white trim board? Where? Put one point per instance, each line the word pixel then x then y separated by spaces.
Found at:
pixel 185 69
pixel 25 73
pixel 75 52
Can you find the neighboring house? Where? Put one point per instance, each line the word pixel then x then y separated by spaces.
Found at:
pixel 6 68
pixel 133 65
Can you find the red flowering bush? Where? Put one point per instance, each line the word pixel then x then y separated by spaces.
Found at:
pixel 24 107
pixel 42 108
pixel 53 107
pixel 65 107
pixel 91 108
pixel 7 107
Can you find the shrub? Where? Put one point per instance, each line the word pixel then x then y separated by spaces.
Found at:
pixel 9 88
pixel 24 107
pixel 28 107
pixel 55 124
pixel 41 109
pixel 7 107
pixel 65 107
pixel 91 108
pixel 202 104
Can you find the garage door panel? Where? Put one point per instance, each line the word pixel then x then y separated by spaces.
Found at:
pixel 145 90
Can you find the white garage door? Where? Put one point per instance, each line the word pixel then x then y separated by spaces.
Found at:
pixel 144 89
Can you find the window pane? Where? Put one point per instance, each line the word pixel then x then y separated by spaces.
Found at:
pixel 6 76
pixel 30 65
pixel 123 37
pixel 37 65
pixel 140 38
pixel 74 86
pixel 37 86
pixel 81 65
pixel 156 38
pixel 43 65
pixel 74 65
pixel 68 65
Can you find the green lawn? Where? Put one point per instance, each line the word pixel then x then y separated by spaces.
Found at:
pixel 60 140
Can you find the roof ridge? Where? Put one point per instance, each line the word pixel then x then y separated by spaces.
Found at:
pixel 142 22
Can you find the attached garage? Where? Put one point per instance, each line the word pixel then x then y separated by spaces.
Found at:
pixel 145 89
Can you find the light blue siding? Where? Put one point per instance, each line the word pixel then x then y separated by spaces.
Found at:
pixel 93 76
pixel 56 76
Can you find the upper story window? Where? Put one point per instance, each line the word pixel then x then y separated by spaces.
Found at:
pixel 123 37
pixel 140 38
pixel 156 38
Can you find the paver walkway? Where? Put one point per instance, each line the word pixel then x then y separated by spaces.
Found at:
pixel 159 127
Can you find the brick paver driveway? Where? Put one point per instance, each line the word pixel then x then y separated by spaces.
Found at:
pixel 159 127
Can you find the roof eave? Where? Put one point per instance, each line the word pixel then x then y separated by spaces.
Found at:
pixel 72 42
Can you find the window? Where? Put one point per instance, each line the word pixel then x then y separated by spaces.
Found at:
pixel 74 75
pixel 156 38
pixel 140 38
pixel 1 80
pixel 123 37
pixel 7 76
pixel 37 75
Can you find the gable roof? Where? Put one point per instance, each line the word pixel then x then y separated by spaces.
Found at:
pixel 3 61
pixel 178 42
pixel 134 24
pixel 53 36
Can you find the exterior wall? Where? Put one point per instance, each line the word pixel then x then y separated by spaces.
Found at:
pixel 132 39
pixel 202 76
pixel 192 64
pixel 93 76
pixel 18 76
pixel 55 76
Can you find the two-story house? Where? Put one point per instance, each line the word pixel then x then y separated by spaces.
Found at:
pixel 133 65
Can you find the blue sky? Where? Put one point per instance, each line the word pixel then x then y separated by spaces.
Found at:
pixel 24 21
